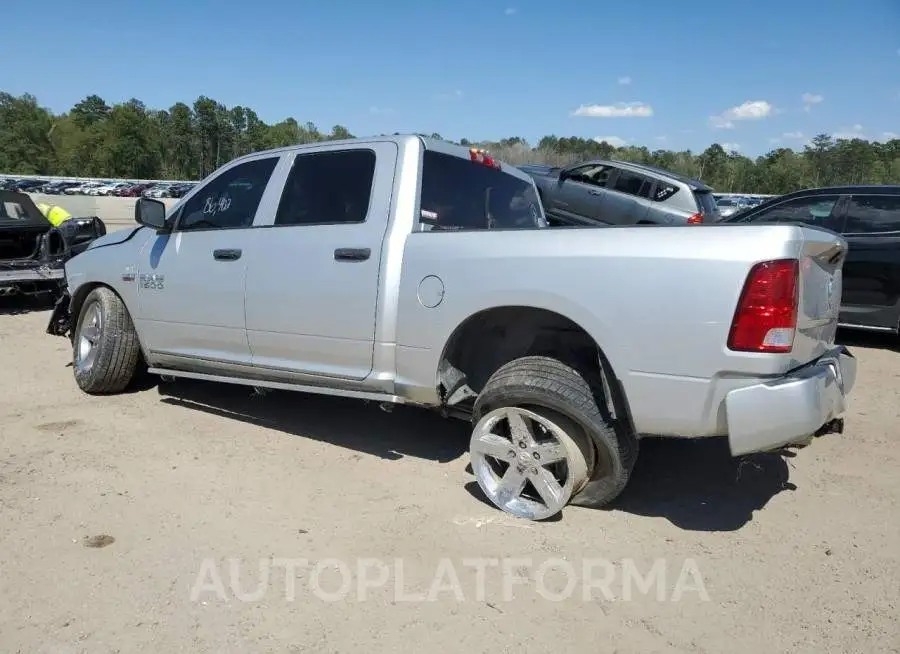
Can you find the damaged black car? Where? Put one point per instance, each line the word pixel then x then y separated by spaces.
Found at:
pixel 33 252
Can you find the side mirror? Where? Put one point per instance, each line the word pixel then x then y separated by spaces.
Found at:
pixel 151 213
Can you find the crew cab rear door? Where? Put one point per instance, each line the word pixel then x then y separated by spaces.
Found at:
pixel 312 282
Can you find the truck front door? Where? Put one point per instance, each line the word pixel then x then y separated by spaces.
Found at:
pixel 191 281
pixel 312 282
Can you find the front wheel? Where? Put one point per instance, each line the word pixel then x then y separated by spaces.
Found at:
pixel 105 346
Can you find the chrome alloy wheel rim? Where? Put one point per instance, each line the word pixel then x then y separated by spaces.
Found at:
pixel 88 338
pixel 526 463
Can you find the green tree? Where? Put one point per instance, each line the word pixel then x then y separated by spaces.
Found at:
pixel 189 141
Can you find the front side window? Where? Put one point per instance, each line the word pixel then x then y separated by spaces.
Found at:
pixel 872 214
pixel 592 174
pixel 815 210
pixel 328 188
pixel 229 200
pixel 462 194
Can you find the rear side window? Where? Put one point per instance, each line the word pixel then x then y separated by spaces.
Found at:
pixel 707 203
pixel 664 191
pixel 632 183
pixel 814 210
pixel 461 194
pixel 328 188
pixel 872 214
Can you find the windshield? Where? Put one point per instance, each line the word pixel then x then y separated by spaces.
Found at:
pixel 12 212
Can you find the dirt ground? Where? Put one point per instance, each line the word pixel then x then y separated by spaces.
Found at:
pixel 119 515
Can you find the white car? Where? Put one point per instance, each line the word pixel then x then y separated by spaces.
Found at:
pixel 108 189
pixel 83 189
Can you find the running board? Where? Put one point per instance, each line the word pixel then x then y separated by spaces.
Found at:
pixel 866 328
pixel 284 386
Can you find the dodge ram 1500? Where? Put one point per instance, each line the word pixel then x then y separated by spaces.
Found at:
pixel 407 270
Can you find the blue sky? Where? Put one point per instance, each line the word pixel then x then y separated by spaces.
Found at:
pixel 661 74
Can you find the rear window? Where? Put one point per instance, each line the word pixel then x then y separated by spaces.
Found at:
pixel 12 211
pixel 706 202
pixel 460 194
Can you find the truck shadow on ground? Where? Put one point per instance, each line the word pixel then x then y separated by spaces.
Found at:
pixel 19 304
pixel 698 486
pixel 695 484
pixel 353 424
pixel 858 338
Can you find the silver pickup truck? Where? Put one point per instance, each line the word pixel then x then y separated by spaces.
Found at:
pixel 407 270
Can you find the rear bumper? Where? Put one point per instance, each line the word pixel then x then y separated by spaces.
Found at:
pixel 36 274
pixel 785 410
pixel 30 280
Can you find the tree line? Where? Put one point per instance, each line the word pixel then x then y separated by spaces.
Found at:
pixel 187 142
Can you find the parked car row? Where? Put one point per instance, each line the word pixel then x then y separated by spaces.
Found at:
pixel 98 188
pixel 731 204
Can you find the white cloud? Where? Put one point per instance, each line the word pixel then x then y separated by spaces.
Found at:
pixel 625 80
pixel 380 110
pixel 809 99
pixel 787 136
pixel 750 110
pixel 614 141
pixel 662 138
pixel 450 95
pixel 890 136
pixel 509 11
pixel 618 110
pixel 854 132
pixel 732 146
pixel 720 123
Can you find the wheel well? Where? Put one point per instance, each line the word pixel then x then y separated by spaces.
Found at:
pixel 494 337
pixel 77 302
pixel 80 296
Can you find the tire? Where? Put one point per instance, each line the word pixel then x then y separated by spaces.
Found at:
pixel 549 383
pixel 105 346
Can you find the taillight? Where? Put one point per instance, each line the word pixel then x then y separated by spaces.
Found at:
pixel 696 219
pixel 766 315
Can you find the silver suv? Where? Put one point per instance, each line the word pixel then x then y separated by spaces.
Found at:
pixel 621 193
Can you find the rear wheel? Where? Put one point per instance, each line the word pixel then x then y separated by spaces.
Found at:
pixel 560 412
pixel 526 462
pixel 106 351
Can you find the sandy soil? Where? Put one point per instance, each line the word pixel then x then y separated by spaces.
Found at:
pixel 118 517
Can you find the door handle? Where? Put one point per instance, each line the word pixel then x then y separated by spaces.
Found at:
pixel 226 255
pixel 352 254
pixel 595 192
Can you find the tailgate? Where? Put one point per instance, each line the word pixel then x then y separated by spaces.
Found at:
pixel 821 257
